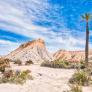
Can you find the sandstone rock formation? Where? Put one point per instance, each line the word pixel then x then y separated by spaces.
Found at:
pixel 33 50
pixel 70 55
pixel 36 51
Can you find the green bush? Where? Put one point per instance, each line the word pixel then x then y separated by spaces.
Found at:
pixel 81 77
pixel 16 77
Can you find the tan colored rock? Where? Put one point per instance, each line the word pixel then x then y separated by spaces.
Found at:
pixel 33 50
pixel 71 55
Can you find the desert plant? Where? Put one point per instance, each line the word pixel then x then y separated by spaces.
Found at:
pixel 17 77
pixel 24 74
pixel 74 88
pixel 64 64
pixel 46 64
pixel 87 18
pixel 29 62
pixel 81 77
pixel 8 74
pixel 89 68
pixel 77 65
pixel 3 64
pixel 56 64
pixel 60 64
pixel 82 64
pixel 18 62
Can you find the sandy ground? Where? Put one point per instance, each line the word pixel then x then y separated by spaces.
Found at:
pixel 45 80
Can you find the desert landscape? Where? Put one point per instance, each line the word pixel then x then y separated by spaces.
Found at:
pixel 45 45
pixel 44 78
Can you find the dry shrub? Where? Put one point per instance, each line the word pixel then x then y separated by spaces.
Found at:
pixel 16 77
pixel 4 63
pixel 81 77
pixel 18 62
pixel 29 62
pixel 63 64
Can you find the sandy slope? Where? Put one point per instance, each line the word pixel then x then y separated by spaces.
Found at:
pixel 45 80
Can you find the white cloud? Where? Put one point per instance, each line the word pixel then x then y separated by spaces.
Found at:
pixel 18 16
pixel 7 46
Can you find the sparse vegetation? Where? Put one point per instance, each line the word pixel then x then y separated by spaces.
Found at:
pixel 64 64
pixel 18 62
pixel 75 88
pixel 16 77
pixel 56 64
pixel 81 77
pixel 89 68
pixel 3 64
pixel 29 62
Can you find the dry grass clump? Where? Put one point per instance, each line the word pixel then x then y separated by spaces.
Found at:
pixel 81 77
pixel 74 88
pixel 4 63
pixel 89 68
pixel 16 77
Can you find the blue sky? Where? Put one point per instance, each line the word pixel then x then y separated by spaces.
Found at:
pixel 57 22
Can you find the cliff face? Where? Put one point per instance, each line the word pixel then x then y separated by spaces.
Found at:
pixel 33 50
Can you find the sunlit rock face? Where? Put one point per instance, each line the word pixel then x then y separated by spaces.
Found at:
pixel 36 52
pixel 33 50
pixel 74 56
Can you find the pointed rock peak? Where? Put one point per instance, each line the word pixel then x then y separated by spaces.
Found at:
pixel 38 42
pixel 33 50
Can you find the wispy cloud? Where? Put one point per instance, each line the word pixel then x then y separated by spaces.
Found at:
pixel 38 19
pixel 7 46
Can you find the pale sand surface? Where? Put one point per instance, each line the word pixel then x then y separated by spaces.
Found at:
pixel 45 80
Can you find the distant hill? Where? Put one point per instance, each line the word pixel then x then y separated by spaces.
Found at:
pixel 36 51
pixel 33 50
pixel 72 55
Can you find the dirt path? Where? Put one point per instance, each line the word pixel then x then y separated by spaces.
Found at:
pixel 45 80
pixel 49 79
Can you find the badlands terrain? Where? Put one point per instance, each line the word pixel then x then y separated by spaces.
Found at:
pixel 37 52
pixel 33 50
pixel 44 79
